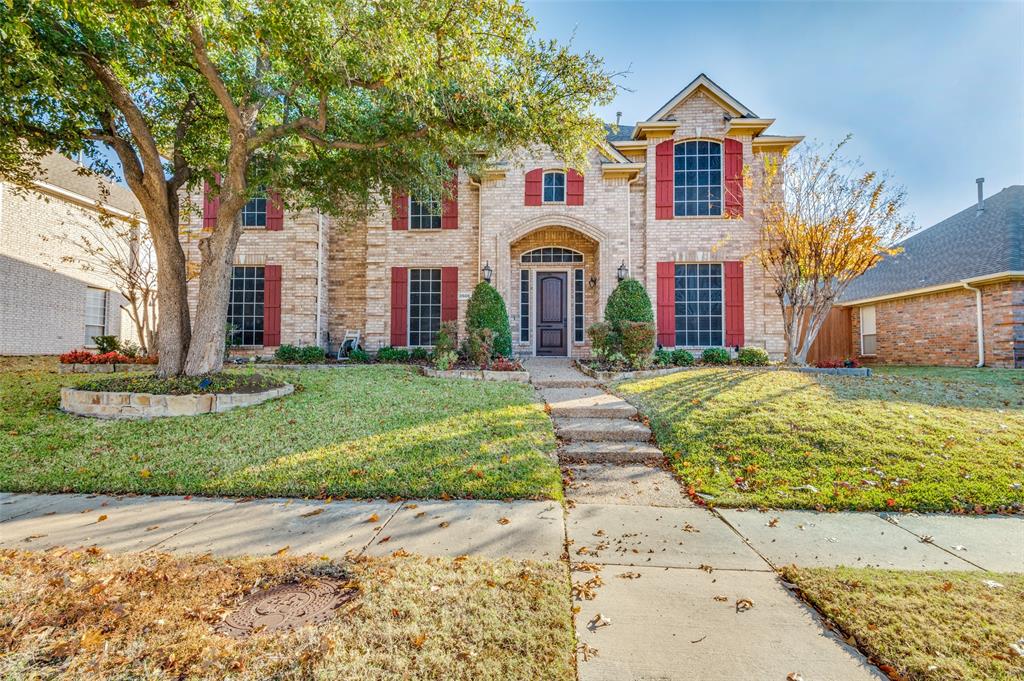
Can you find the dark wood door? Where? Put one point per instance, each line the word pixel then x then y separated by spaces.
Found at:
pixel 552 323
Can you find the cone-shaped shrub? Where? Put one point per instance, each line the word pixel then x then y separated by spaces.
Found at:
pixel 629 302
pixel 486 310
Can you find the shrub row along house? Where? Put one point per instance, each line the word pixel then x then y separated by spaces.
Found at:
pixel 663 202
pixel 54 298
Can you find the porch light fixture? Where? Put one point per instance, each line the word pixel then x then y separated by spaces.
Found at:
pixel 592 281
pixel 622 272
pixel 487 272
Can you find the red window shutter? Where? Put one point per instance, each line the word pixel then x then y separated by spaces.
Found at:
pixel 733 270
pixel 573 188
pixel 400 306
pixel 449 294
pixel 211 204
pixel 399 210
pixel 271 305
pixel 664 180
pixel 450 203
pixel 666 304
pixel 275 212
pixel 733 178
pixel 534 186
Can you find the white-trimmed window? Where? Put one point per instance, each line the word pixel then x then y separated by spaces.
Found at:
pixel 868 331
pixel 554 186
pixel 424 306
pixel 577 305
pixel 95 314
pixel 424 214
pixel 551 254
pixel 698 178
pixel 245 305
pixel 254 212
pixel 524 306
pixel 700 311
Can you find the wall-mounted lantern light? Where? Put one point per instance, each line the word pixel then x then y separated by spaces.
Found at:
pixel 622 272
pixel 487 272
pixel 593 281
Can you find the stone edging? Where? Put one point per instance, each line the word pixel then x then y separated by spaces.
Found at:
pixel 122 405
pixel 478 375
pixel 618 375
pixel 102 368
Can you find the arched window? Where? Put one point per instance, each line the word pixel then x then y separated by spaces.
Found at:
pixel 554 186
pixel 698 178
pixel 551 255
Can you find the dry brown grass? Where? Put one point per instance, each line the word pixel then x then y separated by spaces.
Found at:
pixel 925 626
pixel 89 615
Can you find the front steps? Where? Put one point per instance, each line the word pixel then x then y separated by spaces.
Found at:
pixel 609 452
pixel 586 403
pixel 601 430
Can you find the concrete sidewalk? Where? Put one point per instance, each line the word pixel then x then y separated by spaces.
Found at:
pixel 227 527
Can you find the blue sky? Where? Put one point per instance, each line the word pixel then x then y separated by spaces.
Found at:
pixel 932 92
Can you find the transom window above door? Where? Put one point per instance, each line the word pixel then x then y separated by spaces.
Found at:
pixel 554 186
pixel 698 178
pixel 553 254
pixel 424 214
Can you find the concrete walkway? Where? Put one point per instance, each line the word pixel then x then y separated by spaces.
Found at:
pixel 662 585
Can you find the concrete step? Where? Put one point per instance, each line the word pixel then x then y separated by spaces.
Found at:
pixel 601 430
pixel 586 403
pixel 563 381
pixel 608 452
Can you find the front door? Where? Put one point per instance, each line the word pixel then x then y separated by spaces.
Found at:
pixel 552 327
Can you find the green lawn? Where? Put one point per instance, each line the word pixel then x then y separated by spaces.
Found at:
pixel 925 626
pixel 362 431
pixel 906 438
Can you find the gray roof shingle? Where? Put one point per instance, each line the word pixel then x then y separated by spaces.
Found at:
pixel 63 172
pixel 963 246
pixel 624 132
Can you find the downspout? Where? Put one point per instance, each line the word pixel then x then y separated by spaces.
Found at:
pixel 319 272
pixel 629 226
pixel 981 327
pixel 479 225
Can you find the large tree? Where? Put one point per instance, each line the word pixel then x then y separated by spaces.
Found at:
pixel 328 103
pixel 824 222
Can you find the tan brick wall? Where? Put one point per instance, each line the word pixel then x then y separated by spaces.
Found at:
pixel 42 300
pixel 941 328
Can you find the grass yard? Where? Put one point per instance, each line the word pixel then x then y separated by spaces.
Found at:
pixel 362 431
pixel 88 615
pixel 907 438
pixel 925 626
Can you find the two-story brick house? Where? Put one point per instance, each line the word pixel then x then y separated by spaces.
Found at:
pixel 663 201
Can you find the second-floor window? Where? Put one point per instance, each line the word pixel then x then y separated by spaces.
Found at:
pixel 554 186
pixel 254 213
pixel 698 178
pixel 424 214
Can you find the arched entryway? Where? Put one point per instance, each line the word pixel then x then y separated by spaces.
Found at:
pixel 554 296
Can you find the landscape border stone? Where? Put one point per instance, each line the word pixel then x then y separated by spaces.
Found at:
pixel 124 405
pixel 619 375
pixel 478 375
pixel 101 368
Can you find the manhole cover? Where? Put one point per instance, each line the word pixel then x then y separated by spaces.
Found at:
pixel 288 606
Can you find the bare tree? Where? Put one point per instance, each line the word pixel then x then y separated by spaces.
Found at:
pixel 825 222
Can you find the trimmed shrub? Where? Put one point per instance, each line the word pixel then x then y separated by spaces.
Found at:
pixel 682 358
pixel 390 354
pixel 108 358
pixel 637 342
pixel 358 356
pixel 629 302
pixel 478 348
pixel 312 354
pixel 287 353
pixel 486 310
pixel 105 344
pixel 603 340
pixel 715 356
pixel 75 357
pixel 752 357
pixel 662 357
pixel 443 361
pixel 447 338
pixel 299 354
pixel 419 354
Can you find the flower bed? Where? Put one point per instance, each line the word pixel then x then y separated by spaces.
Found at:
pixel 137 397
pixel 85 362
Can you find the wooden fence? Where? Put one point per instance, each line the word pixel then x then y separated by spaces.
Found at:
pixel 835 340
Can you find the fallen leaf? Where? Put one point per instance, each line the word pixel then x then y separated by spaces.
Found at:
pixel 503 521
pixel 793 676
pixel 373 518
pixel 721 599
pixel 774 522
pixel 744 604
pixel 385 539
pixel 151 528
pixel 599 620
pixel 310 514
pixel 400 553
pixel 282 551
pixel 145 473
pixel 92 638
pixel 101 518
pixel 444 523
pixel 418 640
pixel 629 575
pixel 700 639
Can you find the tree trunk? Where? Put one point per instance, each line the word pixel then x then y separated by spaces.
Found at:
pixel 172 297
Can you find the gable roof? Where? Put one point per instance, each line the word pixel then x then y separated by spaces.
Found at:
pixel 965 246
pixel 703 81
pixel 64 173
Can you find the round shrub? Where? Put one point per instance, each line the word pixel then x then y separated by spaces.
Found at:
pixel 752 357
pixel 486 310
pixel 662 357
pixel 390 354
pixel 629 302
pixel 603 340
pixel 637 342
pixel 419 354
pixel 358 356
pixel 682 358
pixel 715 356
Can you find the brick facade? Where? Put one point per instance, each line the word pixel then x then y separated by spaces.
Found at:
pixel 615 225
pixel 941 328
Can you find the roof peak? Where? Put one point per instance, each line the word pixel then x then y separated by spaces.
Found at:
pixel 702 80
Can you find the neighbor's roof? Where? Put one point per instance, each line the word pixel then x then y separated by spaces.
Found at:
pixel 62 172
pixel 618 133
pixel 964 246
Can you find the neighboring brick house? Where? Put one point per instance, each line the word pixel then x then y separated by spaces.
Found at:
pixel 663 201
pixel 955 282
pixel 49 304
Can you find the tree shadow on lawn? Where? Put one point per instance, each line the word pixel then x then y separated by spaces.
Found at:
pixel 366 431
